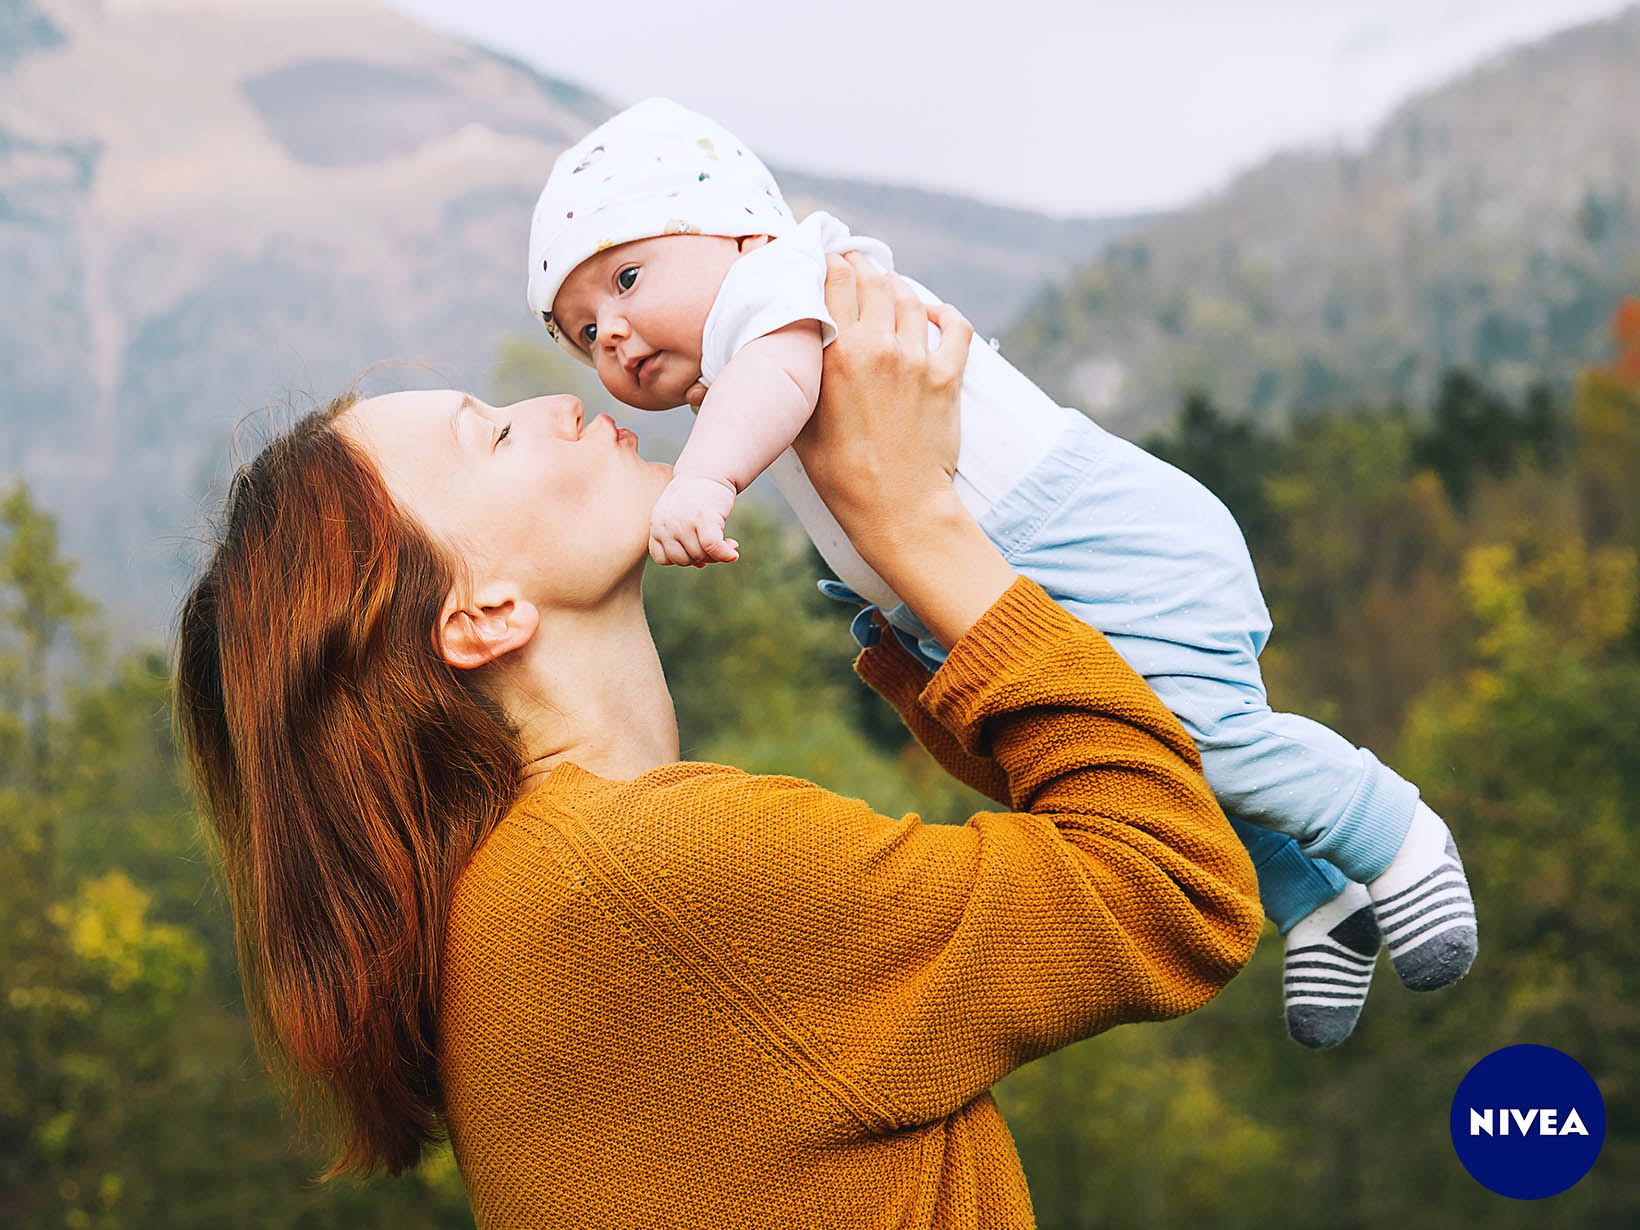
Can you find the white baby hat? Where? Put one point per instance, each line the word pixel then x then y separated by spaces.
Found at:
pixel 655 169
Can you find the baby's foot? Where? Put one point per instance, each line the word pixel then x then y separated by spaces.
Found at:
pixel 1423 907
pixel 1331 952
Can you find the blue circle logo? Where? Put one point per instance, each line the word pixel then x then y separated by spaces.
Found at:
pixel 1528 1121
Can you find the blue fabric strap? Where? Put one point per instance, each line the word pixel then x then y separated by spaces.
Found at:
pixel 863 629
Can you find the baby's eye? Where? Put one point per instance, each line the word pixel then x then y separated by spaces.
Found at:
pixel 626 277
pixel 589 334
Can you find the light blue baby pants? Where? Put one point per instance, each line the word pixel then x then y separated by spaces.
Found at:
pixel 1147 555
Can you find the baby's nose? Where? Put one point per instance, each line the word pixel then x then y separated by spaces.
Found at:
pixel 612 328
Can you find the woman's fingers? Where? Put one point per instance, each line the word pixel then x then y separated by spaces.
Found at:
pixel 841 300
pixel 947 362
pixel 875 292
pixel 910 320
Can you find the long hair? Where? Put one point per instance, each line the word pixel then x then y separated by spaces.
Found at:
pixel 345 772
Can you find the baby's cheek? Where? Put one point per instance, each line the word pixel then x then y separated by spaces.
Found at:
pixel 617 383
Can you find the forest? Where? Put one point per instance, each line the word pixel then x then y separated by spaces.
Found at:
pixel 1453 584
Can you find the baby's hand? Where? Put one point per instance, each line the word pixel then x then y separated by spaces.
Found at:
pixel 686 526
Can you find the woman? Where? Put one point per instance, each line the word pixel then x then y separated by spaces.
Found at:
pixel 474 888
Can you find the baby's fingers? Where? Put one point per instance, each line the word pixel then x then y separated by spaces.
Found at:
pixel 723 550
pixel 666 548
pixel 707 534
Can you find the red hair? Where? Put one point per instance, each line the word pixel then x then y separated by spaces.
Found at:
pixel 346 773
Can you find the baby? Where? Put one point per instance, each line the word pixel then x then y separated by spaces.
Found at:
pixel 663 254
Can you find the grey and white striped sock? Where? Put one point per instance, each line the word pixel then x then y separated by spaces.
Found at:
pixel 1328 967
pixel 1424 908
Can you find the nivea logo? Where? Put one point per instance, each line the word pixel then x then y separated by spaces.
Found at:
pixel 1528 1121
pixel 1544 1117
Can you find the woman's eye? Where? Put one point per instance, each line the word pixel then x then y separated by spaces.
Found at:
pixel 589 334
pixel 503 434
pixel 626 277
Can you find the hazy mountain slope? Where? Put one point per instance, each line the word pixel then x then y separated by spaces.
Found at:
pixel 1492 222
pixel 209 205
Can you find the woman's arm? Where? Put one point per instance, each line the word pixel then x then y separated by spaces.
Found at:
pixel 912 965
pixel 882 447
pixel 890 670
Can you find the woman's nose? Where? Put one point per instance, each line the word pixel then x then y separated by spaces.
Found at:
pixel 562 412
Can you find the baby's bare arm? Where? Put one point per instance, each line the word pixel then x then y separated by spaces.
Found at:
pixel 756 407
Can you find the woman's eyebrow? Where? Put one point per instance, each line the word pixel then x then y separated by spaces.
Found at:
pixel 466 403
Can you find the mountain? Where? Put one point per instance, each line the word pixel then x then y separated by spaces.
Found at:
pixel 211 206
pixel 1491 223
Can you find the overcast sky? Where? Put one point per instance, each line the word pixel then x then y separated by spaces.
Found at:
pixel 1068 107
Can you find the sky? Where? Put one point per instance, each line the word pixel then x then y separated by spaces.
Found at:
pixel 1082 107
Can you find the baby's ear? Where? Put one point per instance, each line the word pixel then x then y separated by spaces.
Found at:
pixel 748 242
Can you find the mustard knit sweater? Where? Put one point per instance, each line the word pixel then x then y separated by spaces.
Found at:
pixel 701 998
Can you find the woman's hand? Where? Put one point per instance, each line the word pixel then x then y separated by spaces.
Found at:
pixel 881 445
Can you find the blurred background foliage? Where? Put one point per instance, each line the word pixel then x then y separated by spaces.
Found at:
pixel 1454 585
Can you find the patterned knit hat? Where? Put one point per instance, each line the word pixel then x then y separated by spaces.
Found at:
pixel 654 169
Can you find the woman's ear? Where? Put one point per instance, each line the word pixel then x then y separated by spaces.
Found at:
pixel 748 242
pixel 485 626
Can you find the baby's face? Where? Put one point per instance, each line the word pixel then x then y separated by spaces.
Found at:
pixel 638 311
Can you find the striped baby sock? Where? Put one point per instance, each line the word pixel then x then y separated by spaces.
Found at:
pixel 1423 907
pixel 1331 952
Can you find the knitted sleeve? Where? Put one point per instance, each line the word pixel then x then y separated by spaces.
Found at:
pixel 923 962
pixel 900 679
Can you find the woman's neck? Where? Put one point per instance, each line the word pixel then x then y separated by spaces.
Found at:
pixel 590 691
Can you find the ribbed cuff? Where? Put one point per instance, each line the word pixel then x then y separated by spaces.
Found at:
pixel 889 668
pixel 1366 838
pixel 1292 886
pixel 1019 629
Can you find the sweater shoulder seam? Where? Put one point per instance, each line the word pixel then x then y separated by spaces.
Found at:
pixel 724 980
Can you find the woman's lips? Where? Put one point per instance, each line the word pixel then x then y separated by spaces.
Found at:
pixel 623 436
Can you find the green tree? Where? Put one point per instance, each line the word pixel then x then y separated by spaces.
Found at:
pixel 93 980
pixel 129 1091
pixel 1535 752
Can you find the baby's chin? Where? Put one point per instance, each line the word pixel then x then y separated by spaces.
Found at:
pixel 651 399
pixel 665 394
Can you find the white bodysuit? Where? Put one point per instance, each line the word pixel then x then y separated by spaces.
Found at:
pixel 1008 423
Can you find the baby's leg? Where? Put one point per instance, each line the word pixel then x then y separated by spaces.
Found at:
pixel 1289 774
pixel 1280 771
pixel 1326 920
pixel 1290 884
pixel 1150 557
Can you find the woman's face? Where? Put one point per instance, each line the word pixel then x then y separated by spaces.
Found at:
pixel 528 494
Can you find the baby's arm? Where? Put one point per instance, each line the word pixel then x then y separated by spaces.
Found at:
pixel 753 411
